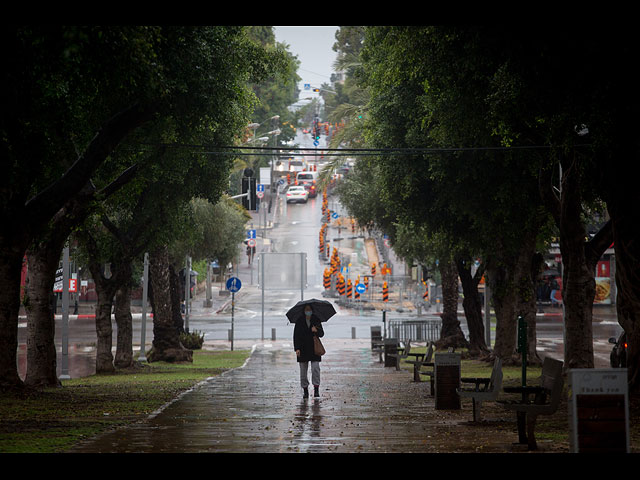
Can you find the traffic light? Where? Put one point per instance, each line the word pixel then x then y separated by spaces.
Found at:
pixel 249 186
pixel 316 90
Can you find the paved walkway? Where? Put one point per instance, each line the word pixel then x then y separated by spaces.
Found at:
pixel 364 407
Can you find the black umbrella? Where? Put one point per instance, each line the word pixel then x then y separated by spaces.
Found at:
pixel 322 309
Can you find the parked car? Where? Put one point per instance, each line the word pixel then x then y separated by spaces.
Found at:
pixel 308 180
pixel 619 352
pixel 297 193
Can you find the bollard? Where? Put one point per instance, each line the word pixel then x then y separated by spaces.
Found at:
pixel 273 334
pixel 522 347
pixel 353 333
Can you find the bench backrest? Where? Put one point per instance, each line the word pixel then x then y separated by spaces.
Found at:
pixel 376 333
pixel 495 384
pixel 552 380
pixel 429 355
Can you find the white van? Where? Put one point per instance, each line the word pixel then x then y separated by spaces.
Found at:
pixel 297 165
pixel 308 180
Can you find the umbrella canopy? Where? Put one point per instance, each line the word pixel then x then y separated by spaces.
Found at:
pixel 322 309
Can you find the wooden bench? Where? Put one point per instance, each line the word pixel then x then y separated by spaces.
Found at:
pixel 430 372
pixel 377 346
pixel 421 359
pixel 404 350
pixel 545 401
pixel 486 389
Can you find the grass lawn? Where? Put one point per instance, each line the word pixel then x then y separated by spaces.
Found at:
pixel 53 420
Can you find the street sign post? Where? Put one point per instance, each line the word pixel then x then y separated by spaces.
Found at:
pixel 233 285
pixel 65 314
pixel 282 271
pixel 260 190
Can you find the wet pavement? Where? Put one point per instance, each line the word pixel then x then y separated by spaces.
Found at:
pixel 258 408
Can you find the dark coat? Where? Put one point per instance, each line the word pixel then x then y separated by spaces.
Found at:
pixel 303 339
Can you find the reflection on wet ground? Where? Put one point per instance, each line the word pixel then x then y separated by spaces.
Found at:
pixel 364 407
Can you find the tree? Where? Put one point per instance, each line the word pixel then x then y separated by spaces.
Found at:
pixel 549 85
pixel 432 99
pixel 51 74
pixel 64 84
pixel 43 258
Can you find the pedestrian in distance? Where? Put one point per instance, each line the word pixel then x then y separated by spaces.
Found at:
pixel 251 251
pixel 303 344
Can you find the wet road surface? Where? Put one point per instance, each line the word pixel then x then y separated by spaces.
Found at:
pixel 363 407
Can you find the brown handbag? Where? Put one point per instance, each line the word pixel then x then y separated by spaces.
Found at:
pixel 318 348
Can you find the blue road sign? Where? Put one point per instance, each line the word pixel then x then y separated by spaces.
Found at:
pixel 335 215
pixel 251 234
pixel 234 284
pixel 316 143
pixel 361 288
pixel 260 187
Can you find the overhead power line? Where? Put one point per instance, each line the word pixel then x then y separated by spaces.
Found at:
pixel 304 151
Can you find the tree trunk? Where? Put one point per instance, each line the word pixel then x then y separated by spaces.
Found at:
pixel 124 323
pixel 177 293
pixel 625 221
pixel 472 306
pixel 504 299
pixel 578 276
pixel 42 262
pixel 11 255
pixel 166 341
pixel 578 293
pixel 529 268
pixel 512 283
pixel 451 334
pixel 104 357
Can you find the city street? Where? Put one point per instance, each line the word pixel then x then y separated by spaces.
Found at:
pixel 294 228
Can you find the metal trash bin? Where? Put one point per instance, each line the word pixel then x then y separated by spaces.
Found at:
pixel 390 348
pixel 376 336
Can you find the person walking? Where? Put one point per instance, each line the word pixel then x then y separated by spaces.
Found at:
pixel 251 251
pixel 304 331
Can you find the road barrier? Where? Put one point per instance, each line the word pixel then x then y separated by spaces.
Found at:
pixel 327 279
pixel 340 285
pixel 415 330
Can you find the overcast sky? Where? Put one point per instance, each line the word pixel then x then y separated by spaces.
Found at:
pixel 312 46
